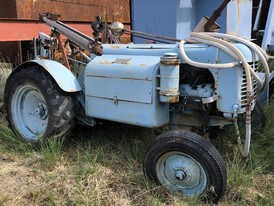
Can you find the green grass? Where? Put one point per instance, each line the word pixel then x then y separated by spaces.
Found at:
pixel 51 150
pixel 248 179
pixel 103 166
pixel 264 148
pixel 271 64
pixel 11 143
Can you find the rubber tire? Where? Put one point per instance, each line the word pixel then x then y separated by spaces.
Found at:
pixel 199 149
pixel 258 117
pixel 271 89
pixel 58 102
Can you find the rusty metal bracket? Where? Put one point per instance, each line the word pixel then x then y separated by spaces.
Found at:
pixel 216 14
pixel 65 57
pixel 48 15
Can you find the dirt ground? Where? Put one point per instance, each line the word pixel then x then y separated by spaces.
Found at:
pixel 17 179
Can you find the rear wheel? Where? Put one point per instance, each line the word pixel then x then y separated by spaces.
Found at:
pixel 184 162
pixel 36 107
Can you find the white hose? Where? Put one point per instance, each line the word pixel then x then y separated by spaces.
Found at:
pixel 247 140
pixel 236 51
pixel 216 44
pixel 231 53
pixel 258 50
pixel 238 39
pixel 203 65
pixel 263 57
pixel 229 48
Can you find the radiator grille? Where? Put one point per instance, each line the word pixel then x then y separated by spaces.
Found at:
pixel 254 66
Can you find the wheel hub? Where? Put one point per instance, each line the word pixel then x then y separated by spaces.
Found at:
pixel 180 174
pixel 30 112
pixel 41 110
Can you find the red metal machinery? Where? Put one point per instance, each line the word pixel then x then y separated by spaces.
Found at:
pixel 19 20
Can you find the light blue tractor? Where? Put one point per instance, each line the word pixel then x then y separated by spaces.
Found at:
pixel 205 82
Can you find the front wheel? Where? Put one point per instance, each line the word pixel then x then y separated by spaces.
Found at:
pixel 271 89
pixel 184 162
pixel 36 107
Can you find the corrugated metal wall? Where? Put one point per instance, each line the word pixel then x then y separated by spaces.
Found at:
pixel 18 19
pixel 70 10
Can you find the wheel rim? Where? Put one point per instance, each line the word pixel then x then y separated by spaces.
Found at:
pixel 180 172
pixel 29 112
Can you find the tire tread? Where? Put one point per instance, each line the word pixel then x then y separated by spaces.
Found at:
pixel 58 101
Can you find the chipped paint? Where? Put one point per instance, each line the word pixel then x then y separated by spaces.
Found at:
pixel 169 78
pixel 113 46
pixel 170 96
pixel 239 16
pixel 121 61
pixel 105 62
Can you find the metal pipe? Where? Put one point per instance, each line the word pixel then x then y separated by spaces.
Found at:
pixel 35 48
pixel 147 38
pixel 258 16
pixel 152 35
pixel 77 61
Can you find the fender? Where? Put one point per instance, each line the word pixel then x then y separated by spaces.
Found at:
pixel 63 77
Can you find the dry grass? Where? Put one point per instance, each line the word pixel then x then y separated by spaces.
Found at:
pixel 103 166
pixel 5 70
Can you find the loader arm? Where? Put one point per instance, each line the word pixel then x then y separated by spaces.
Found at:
pixel 75 36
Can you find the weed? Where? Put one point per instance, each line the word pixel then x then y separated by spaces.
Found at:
pixel 51 150
pixel 263 147
pixel 87 158
pixel 12 143
pixel 5 70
